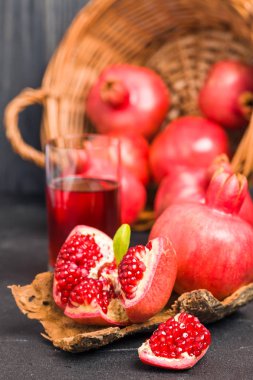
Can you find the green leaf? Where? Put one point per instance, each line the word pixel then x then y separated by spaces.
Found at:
pixel 121 242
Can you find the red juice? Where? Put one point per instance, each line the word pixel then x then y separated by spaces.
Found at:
pixel 77 200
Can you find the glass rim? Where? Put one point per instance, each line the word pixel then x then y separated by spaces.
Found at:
pixel 52 143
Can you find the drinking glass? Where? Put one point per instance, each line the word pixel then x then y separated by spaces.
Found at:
pixel 82 186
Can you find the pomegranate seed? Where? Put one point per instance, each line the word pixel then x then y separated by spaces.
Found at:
pixel 90 290
pixel 173 338
pixel 131 270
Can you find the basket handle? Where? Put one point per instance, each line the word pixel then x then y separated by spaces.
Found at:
pixel 26 98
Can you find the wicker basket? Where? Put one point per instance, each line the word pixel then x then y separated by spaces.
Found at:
pixel 179 39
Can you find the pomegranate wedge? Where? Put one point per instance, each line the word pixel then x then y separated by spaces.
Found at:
pixel 147 275
pixel 178 343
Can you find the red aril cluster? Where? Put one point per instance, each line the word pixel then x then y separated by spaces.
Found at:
pixel 131 271
pixel 92 290
pixel 178 335
pixel 146 276
pixel 84 278
pixel 78 255
pixel 178 343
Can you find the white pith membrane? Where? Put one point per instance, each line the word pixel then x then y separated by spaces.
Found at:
pixel 115 311
pixel 149 258
pixel 185 361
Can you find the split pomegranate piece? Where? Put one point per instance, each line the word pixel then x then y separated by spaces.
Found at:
pixel 147 275
pixel 178 343
pixel 85 277
pixel 90 288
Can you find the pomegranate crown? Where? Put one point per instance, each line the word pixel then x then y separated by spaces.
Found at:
pixel 226 192
pixel 114 93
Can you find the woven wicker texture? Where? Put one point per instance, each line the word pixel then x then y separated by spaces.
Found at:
pixel 180 39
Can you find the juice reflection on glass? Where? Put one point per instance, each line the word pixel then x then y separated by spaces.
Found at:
pixel 77 194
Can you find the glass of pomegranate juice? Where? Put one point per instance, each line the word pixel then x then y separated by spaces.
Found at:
pixel 83 179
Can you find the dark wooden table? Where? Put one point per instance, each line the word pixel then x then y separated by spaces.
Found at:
pixel 25 354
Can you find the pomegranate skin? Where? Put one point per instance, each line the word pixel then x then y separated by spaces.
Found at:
pixel 133 194
pixel 133 197
pixel 180 186
pixel 128 98
pixel 220 99
pixel 148 358
pixel 134 154
pixel 221 163
pixel 189 185
pixel 189 141
pixel 246 211
pixel 205 257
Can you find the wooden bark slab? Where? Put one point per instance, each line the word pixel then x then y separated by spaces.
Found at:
pixel 36 302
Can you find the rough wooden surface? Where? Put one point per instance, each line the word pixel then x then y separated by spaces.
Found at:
pixel 30 30
pixel 36 302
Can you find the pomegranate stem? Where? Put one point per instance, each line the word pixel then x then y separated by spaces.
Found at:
pixel 114 93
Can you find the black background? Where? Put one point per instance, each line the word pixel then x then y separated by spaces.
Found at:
pixel 30 31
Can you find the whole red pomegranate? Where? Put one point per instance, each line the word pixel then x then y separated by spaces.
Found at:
pixel 182 184
pixel 134 154
pixel 133 197
pixel 214 245
pixel 178 343
pixel 89 289
pixel 227 94
pixel 128 98
pixel 187 141
pixel 189 185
